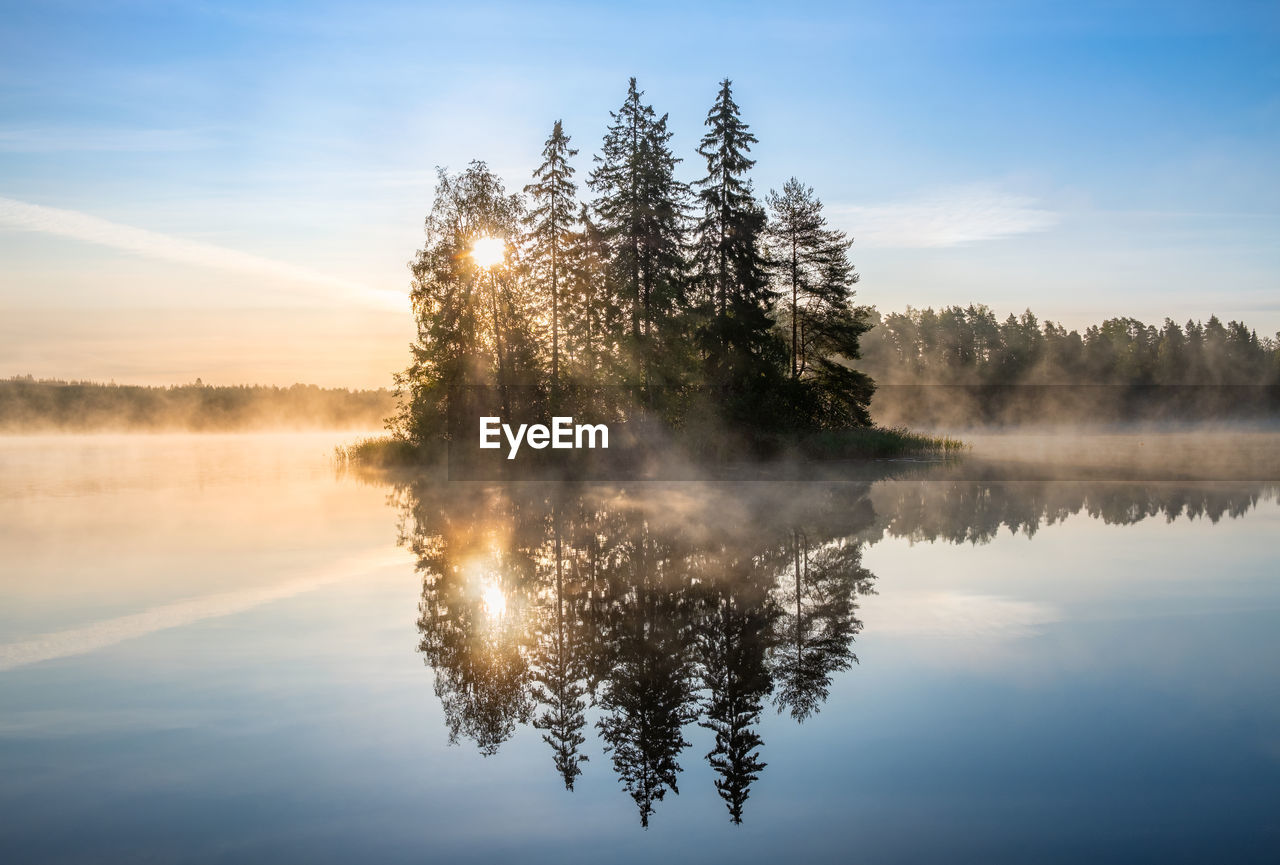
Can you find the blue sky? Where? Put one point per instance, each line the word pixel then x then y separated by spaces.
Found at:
pixel 232 190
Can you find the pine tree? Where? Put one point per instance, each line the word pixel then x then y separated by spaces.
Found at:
pixel 739 347
pixel 647 695
pixel 811 265
pixel 796 235
pixel 550 224
pixel 815 281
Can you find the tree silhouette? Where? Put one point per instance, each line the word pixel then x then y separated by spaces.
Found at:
pixel 539 600
pixel 648 698
pixel 969 345
pixel 591 314
pixel 474 323
pixel 693 311
pixel 733 643
pixel 816 279
pixel 550 222
pixel 663 607
pixel 639 206
pixel 645 304
pixel 559 671
pixel 482 674
pixel 740 348
pixel 816 629
pixel 974 512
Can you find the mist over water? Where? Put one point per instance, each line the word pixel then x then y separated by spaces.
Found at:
pixel 1118 452
pixel 228 631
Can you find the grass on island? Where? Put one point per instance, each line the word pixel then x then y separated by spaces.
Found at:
pixel 377 452
pixel 875 442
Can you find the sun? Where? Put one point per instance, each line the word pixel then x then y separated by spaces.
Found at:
pixel 493 601
pixel 488 251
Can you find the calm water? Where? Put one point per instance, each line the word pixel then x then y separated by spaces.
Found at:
pixel 221 649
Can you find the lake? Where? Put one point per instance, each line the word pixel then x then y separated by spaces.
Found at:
pixel 223 648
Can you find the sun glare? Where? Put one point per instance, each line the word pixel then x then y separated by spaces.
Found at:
pixel 493 601
pixel 488 251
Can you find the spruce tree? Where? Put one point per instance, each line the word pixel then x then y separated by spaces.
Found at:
pixel 733 641
pixel 596 312
pixel 640 211
pixel 550 224
pixel 590 319
pixel 740 350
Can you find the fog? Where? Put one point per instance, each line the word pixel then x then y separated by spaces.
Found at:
pixel 1055 405
pixel 1148 452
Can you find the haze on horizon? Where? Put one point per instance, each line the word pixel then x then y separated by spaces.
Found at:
pixel 231 192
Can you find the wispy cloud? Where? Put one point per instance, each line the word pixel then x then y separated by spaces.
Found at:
pixel 960 615
pixel 165 247
pixel 72 139
pixel 100 635
pixel 952 217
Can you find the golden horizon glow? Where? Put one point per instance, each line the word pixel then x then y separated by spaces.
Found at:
pixel 488 251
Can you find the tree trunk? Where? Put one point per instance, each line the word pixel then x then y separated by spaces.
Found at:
pixel 795 308
pixel 497 341
pixel 555 306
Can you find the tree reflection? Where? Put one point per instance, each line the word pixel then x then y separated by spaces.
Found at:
pixel 817 625
pixel 736 680
pixel 654 610
pixel 653 613
pixel 476 644
pixel 559 665
pixel 968 511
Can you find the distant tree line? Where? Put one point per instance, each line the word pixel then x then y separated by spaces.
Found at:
pixel 34 405
pixel 963 365
pixel 969 345
pixel 688 303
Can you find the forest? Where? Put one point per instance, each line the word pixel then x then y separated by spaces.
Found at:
pixel 701 305
pixel 700 309
pixel 969 345
pixel 962 366
pixel 718 313
pixel 43 405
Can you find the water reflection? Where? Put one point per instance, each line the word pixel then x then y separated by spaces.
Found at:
pixel 975 511
pixel 657 609
pixel 653 608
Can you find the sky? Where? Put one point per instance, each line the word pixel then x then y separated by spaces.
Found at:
pixel 231 191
